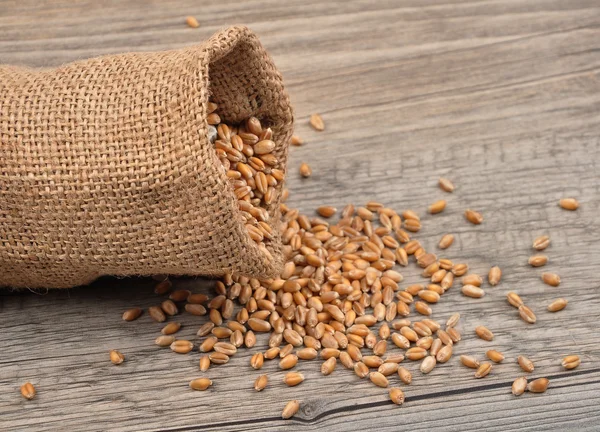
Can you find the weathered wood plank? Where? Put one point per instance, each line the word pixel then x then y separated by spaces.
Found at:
pixel 500 96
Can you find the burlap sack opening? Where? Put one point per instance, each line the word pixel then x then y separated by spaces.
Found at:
pixel 107 168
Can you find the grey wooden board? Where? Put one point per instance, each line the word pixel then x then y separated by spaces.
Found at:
pixel 500 96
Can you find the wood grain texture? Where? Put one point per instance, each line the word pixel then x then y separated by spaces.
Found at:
pixel 500 96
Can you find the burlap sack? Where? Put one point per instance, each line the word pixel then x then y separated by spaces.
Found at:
pixel 107 169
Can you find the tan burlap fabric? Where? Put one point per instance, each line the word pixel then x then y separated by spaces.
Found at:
pixel 107 169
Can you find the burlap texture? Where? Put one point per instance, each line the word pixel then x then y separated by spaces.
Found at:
pixel 107 169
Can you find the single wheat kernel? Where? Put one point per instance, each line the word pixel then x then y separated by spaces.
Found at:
pixel 514 299
pixel 163 287
pixel 472 291
pixel 396 395
pixel 454 334
pixel 453 320
pixel 316 121
pixel 261 382
pixel 292 379
pixel 484 333
pixel 305 170
pixel 296 140
pixel 519 386
pixel 288 361
pixel 445 184
pixel 541 242
pixel 412 225
pixel 290 409
pixel 427 364
pixel 569 204
pixel 446 241
pixel 132 314
pixel 444 354
pixel 551 279
pixel 494 275
pixel 527 314
pixel 469 361
pixel 361 370
pixel 204 363
pixel 28 391
pixel 460 269
pixel 437 207
pixel 472 279
pixel 326 211
pixel 571 362
pixel 538 386
pixel 182 346
pixel 525 363
pixel 537 260
pixel 473 216
pixel 171 328
pixel 192 22
pixel 116 357
pixel 157 314
pixel 378 379
pixel 200 384
pixel 483 370
pixel 557 305
pixel 328 366
pixel 164 341
pixel 405 375
pixel 388 369
pixel 495 356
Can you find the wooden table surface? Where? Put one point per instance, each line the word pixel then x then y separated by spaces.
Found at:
pixel 501 96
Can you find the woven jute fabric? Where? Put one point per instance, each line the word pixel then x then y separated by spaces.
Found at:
pixel 107 168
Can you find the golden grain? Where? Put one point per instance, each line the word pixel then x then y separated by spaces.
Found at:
pixel 296 140
pixel 132 314
pixel 525 363
pixel 469 361
pixel 472 291
pixel 328 366
pixel 261 382
pixel 116 357
pixel 483 370
pixel 495 356
pixel 192 22
pixel 446 241
pixel 28 391
pixel 473 216
pixel 200 384
pixel 361 370
pixel 514 299
pixel 494 276
pixel 571 362
pixel 316 121
pixel 551 279
pixel 164 341
pixel 557 305
pixel 484 333
pixel 378 379
pixel 541 242
pixel 437 207
pixel 396 395
pixel 538 260
pixel 569 204
pixel 519 386
pixel 292 379
pixel 204 363
pixel 538 386
pixel 290 409
pixel 527 314
pixel 305 170
pixel 445 184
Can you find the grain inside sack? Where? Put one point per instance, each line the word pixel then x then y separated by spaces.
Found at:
pixel 108 168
